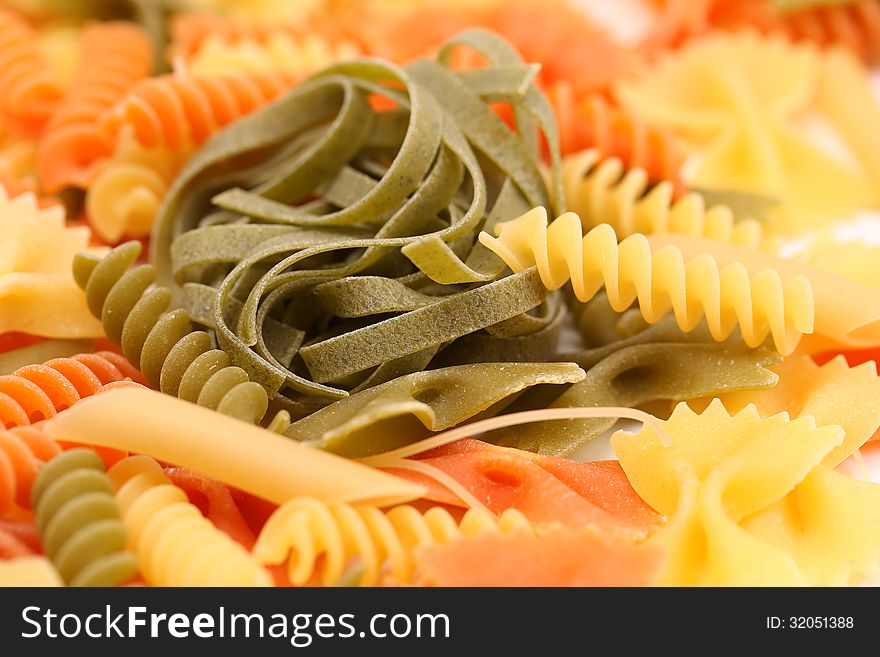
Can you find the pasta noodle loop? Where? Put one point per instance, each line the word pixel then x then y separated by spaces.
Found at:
pixel 323 538
pixel 79 521
pixel 175 544
pixel 172 357
pixel 662 280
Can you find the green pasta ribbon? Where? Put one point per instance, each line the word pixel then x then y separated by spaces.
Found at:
pixel 406 409
pixel 329 240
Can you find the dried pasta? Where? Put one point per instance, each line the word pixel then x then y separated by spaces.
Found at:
pixel 760 302
pixel 78 518
pixel 732 506
pixel 29 571
pixel 22 450
pixel 846 312
pixel 603 191
pixel 734 98
pixel 249 458
pixel 594 122
pixel 299 56
pixel 37 292
pixel 115 56
pixel 124 196
pixel 181 112
pixel 390 415
pixel 175 545
pixel 40 391
pixel 29 88
pixel 310 529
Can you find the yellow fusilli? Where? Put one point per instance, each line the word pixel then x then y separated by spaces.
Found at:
pixel 311 529
pixel 759 304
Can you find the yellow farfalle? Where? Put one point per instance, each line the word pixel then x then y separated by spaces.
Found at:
pixel 833 394
pixel 751 501
pixel 37 292
pixel 739 100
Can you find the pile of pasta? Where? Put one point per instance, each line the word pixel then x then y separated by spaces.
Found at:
pixel 392 293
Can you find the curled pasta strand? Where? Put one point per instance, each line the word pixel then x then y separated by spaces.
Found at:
pixel 79 521
pixel 29 88
pixel 604 191
pixel 22 450
pixel 170 354
pixel 115 56
pixel 40 391
pixel 661 281
pixel 593 122
pixel 322 539
pixel 175 544
pixel 177 111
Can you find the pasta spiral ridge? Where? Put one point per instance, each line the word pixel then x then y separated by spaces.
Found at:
pixel 855 25
pixel 593 122
pixel 311 529
pixel 727 297
pixel 22 450
pixel 175 544
pixel 79 521
pixel 126 193
pixel 604 191
pixel 115 56
pixel 29 88
pixel 42 390
pixel 190 30
pixel 169 353
pixel 177 111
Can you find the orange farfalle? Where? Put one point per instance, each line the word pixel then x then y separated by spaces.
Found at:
pixel 559 557
pixel 545 489
pixel 180 112
pixel 29 88
pixel 115 57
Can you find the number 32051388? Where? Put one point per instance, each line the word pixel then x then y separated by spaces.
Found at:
pixel 810 622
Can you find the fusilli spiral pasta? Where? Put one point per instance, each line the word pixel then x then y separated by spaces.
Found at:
pixel 115 56
pixel 310 529
pixel 22 449
pixel 29 88
pixel 660 281
pixel 171 356
pixel 605 191
pixel 179 112
pixel 40 391
pixel 78 519
pixel 174 543
pixel 125 194
pixel 593 122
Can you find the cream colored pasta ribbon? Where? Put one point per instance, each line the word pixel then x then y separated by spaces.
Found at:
pixel 237 453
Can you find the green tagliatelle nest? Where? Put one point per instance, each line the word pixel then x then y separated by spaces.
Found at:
pixel 330 242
